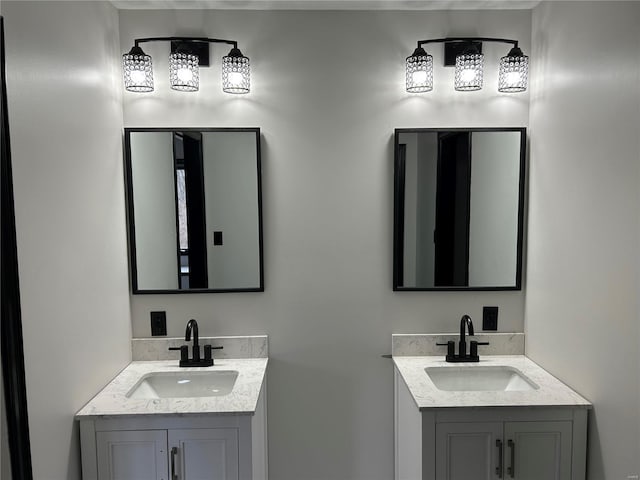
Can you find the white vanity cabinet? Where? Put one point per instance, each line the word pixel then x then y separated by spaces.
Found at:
pixel 529 450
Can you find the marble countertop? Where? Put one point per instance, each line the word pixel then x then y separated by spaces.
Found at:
pixel 552 392
pixel 112 400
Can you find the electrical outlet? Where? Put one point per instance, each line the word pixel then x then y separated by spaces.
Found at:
pixel 490 318
pixel 158 324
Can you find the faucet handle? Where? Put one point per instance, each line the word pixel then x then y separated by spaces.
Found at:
pixel 207 353
pixel 451 348
pixel 184 353
pixel 474 348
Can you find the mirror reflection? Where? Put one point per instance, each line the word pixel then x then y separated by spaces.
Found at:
pixel 458 209
pixel 195 222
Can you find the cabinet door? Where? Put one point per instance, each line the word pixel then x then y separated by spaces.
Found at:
pixel 205 454
pixel 132 455
pixel 468 451
pixel 538 450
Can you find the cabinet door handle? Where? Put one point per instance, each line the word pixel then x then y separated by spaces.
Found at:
pixel 499 467
pixel 174 452
pixel 512 469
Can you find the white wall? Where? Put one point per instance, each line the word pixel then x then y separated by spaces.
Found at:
pixel 327 92
pixel 66 119
pixel 582 312
pixel 154 201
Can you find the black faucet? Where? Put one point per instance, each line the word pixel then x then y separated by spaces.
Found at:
pixel 465 322
pixel 462 356
pixel 195 361
pixel 192 326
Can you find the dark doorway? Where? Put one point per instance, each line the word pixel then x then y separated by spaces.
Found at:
pixel 453 210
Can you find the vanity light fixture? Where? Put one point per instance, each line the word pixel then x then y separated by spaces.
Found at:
pixel 187 55
pixel 466 54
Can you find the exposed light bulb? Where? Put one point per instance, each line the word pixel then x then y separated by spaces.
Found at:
pixel 512 78
pixel 137 76
pixel 235 78
pixel 184 75
pixel 419 76
pixel 468 75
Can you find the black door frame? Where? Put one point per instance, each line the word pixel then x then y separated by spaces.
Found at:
pixel 15 392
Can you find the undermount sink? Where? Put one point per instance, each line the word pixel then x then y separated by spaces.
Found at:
pixel 184 384
pixel 480 379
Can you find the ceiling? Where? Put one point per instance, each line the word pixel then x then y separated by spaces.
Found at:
pixel 326 4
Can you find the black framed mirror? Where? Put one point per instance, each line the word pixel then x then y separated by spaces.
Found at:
pixel 194 201
pixel 458 208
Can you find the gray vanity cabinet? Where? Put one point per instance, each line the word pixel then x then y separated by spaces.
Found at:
pixel 509 442
pixel 540 450
pixel 467 450
pixel 528 450
pixel 140 454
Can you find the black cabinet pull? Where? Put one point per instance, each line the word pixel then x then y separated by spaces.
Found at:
pixel 499 467
pixel 512 468
pixel 174 452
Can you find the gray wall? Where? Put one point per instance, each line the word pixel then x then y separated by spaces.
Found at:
pixel 327 92
pixel 493 226
pixel 65 113
pixel 230 178
pixel 410 244
pixel 426 221
pixel 582 312
pixel 154 199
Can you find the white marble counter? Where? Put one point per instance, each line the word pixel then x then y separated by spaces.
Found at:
pixel 551 392
pixel 112 400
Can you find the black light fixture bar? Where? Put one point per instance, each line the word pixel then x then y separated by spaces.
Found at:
pixel 138 41
pixel 454 46
pixel 468 39
pixel 198 46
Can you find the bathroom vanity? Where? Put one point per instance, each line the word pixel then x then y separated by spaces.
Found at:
pixel 503 417
pixel 156 420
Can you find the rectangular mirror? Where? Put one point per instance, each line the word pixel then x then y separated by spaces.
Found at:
pixel 458 208
pixel 194 209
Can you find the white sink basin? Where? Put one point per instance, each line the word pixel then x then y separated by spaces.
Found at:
pixel 184 384
pixel 479 379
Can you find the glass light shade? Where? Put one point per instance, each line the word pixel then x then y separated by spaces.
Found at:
pixel 184 72
pixel 469 72
pixel 419 72
pixel 514 72
pixel 236 76
pixel 137 71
